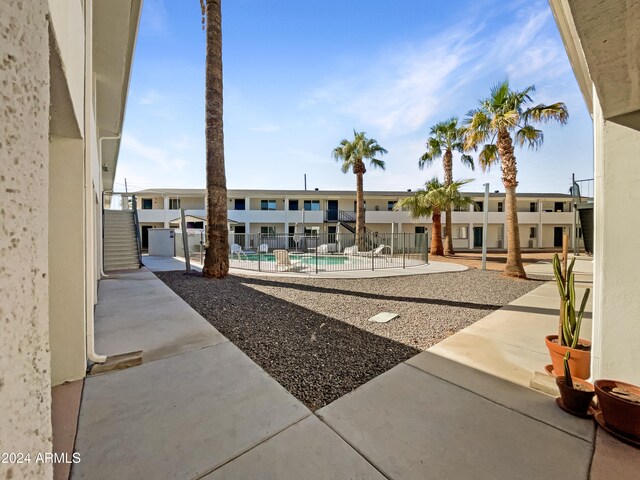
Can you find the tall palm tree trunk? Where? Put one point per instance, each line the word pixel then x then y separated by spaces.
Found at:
pixel 436 234
pixel 447 162
pixel 216 260
pixel 514 267
pixel 360 210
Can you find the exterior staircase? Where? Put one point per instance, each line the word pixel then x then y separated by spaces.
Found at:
pixel 121 248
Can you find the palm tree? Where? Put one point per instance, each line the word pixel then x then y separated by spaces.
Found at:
pixel 431 201
pixel 501 119
pixel 216 260
pixel 352 154
pixel 444 139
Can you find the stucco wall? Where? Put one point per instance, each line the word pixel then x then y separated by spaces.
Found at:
pixel 66 259
pixel 616 329
pixel 25 399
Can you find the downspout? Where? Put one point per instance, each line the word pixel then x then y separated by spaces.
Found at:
pixel 92 356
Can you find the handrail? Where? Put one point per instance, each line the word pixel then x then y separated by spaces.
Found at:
pixel 136 225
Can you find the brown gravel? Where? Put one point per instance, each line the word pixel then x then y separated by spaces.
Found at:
pixel 312 335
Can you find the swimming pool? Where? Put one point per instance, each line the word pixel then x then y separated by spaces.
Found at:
pixel 305 258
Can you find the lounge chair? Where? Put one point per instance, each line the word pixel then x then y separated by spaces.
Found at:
pixel 284 262
pixel 263 248
pixel 324 248
pixel 376 252
pixel 237 250
pixel 353 250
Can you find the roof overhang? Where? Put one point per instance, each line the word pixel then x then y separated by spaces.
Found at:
pixel 602 39
pixel 115 29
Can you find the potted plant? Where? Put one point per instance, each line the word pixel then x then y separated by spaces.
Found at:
pixel 620 408
pixel 575 394
pixel 568 338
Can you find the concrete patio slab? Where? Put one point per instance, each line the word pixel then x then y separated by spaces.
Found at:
pixel 179 417
pixel 509 343
pixel 513 363
pixel 514 397
pixel 614 459
pixel 412 425
pixel 161 326
pixel 307 450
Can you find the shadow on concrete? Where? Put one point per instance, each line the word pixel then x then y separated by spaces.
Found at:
pixel 315 357
pixel 540 310
pixel 372 296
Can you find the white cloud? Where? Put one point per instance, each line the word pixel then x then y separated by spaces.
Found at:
pixel 400 90
pixel 134 149
pixel 151 97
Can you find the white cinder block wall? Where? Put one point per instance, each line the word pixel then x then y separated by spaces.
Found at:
pixel 25 399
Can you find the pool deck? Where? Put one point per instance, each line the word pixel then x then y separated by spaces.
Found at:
pixel 162 264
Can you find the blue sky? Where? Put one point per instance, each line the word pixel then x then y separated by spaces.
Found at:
pixel 299 76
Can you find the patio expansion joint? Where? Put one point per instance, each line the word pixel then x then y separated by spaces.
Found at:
pixel 356 449
pixel 275 434
pixel 502 405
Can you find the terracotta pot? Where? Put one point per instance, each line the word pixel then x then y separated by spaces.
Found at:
pixel 579 362
pixel 621 415
pixel 577 401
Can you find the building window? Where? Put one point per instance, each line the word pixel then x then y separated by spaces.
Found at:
pixel 478 207
pixel 313 231
pixel 355 205
pixel 463 232
pixel 391 205
pixel 532 232
pixel 147 203
pixel 313 205
pixel 500 207
pixel 199 225
pixel 293 204
pixel 174 204
pixel 267 204
pixel 533 206
pixel 239 204
pixel 460 208
pixel 420 229
pixel 268 231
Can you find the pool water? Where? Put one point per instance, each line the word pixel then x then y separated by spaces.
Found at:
pixel 305 259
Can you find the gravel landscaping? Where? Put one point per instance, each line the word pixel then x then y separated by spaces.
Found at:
pixel 313 335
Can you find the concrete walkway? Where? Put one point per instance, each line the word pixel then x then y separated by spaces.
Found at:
pixel 203 409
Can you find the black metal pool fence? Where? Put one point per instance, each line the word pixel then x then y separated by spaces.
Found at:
pixel 327 252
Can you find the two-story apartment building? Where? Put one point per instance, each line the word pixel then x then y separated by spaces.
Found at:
pixel 543 217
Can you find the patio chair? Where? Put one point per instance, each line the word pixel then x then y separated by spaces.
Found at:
pixel 324 248
pixel 284 262
pixel 237 250
pixel 376 252
pixel 263 248
pixel 353 250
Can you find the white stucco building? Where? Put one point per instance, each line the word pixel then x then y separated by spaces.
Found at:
pixel 543 217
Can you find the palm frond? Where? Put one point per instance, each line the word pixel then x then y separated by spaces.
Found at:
pixel 531 136
pixel 545 113
pixel 488 156
pixel 467 161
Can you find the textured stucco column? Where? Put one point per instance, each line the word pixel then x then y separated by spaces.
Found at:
pixel 66 259
pixel 25 385
pixel 616 325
